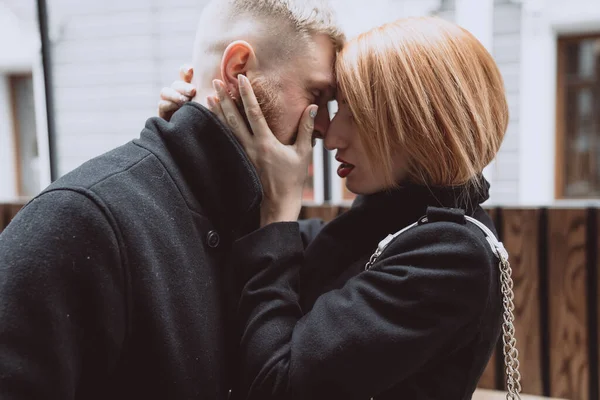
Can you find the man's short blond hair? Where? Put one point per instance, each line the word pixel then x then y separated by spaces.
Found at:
pixel 303 17
pixel 280 26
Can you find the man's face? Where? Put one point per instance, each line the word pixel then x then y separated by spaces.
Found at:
pixel 305 80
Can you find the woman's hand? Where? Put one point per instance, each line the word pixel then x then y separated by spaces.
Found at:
pixel 282 168
pixel 180 92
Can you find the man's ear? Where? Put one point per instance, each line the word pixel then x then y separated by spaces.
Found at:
pixel 238 58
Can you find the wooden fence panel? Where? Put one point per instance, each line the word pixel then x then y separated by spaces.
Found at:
pixel 555 320
pixel 569 362
pixel 521 240
pixel 3 223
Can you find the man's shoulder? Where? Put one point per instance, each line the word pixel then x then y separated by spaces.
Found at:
pixel 101 168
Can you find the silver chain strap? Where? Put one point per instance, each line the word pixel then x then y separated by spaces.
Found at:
pixel 511 354
pixel 509 348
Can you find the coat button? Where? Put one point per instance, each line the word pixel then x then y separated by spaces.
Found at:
pixel 213 239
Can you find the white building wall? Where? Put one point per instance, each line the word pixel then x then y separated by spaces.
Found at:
pixel 506 50
pixel 111 58
pixel 18 43
pixel 499 30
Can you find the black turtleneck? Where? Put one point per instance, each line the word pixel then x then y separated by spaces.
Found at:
pixel 421 324
pixel 112 281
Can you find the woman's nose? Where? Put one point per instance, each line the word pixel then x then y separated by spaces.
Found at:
pixel 333 138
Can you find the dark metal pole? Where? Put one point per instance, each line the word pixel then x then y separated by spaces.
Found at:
pixel 326 175
pixel 48 87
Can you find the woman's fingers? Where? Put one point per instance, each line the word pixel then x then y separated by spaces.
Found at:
pixel 305 130
pixel 255 116
pixel 183 88
pixel 180 92
pixel 166 108
pixel 172 95
pixel 186 73
pixel 170 101
pixel 233 119
pixel 214 105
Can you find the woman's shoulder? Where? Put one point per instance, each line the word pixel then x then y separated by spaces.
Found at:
pixel 444 241
pixel 444 262
pixel 446 231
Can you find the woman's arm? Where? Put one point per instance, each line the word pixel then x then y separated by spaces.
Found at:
pixel 382 326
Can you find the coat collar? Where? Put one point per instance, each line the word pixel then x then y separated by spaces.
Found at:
pixel 207 164
pixel 353 236
pixel 389 211
pixel 413 199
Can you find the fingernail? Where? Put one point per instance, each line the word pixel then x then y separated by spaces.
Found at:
pixel 313 112
pixel 188 70
pixel 183 99
pixel 243 80
pixel 217 86
pixel 211 102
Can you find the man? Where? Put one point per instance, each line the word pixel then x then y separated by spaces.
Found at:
pixel 112 281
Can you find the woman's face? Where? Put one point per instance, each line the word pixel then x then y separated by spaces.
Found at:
pixel 361 176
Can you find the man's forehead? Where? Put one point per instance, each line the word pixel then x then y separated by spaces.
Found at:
pixel 321 61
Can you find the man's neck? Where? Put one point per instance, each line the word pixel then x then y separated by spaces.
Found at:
pixel 203 82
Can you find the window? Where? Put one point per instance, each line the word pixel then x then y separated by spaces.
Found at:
pixel 25 138
pixel 578 118
pixel 308 193
pixel 314 186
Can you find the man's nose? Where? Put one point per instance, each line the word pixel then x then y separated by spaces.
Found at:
pixel 322 122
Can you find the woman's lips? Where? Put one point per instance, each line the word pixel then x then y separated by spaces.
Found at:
pixel 345 168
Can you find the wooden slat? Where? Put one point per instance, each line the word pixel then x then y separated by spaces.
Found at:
pixel 12 210
pixel 596 379
pixel 3 223
pixel 488 379
pixel 521 240
pixel 569 367
pixel 8 212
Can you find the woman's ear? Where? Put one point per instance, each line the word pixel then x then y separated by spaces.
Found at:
pixel 238 58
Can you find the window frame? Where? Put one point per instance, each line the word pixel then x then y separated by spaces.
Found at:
pixel 561 111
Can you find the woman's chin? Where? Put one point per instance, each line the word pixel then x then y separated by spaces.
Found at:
pixel 363 188
pixel 355 187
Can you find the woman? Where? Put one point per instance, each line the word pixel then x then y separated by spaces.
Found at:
pixel 422 111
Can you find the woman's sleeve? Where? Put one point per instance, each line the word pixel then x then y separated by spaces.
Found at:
pixel 383 325
pixel 309 229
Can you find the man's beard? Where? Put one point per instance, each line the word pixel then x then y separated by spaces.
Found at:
pixel 267 94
